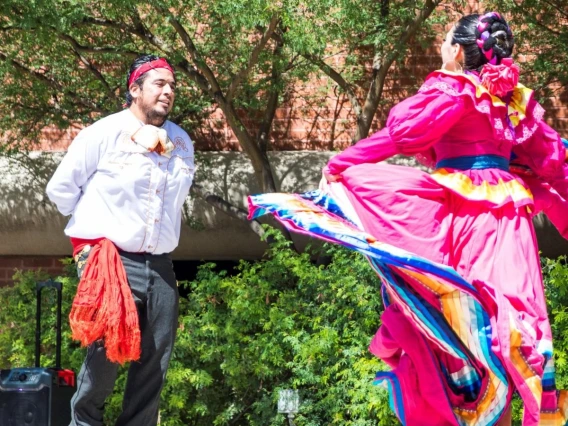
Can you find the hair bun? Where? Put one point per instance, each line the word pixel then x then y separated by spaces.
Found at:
pixel 494 37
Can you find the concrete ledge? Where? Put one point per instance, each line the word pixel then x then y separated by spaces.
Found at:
pixel 30 224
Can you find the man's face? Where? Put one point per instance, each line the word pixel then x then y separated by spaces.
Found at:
pixel 154 100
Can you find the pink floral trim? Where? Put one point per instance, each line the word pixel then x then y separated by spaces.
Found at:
pixel 538 112
pixel 444 87
pixel 527 133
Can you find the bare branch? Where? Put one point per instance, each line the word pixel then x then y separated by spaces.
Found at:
pixel 253 59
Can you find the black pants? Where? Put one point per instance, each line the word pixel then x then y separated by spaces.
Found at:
pixel 153 284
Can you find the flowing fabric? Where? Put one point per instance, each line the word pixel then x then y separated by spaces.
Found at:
pixel 465 322
pixel 438 330
pixel 103 308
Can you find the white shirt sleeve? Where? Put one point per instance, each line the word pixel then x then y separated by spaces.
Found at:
pixel 81 161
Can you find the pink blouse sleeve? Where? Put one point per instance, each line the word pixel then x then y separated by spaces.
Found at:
pixel 413 126
pixel 543 152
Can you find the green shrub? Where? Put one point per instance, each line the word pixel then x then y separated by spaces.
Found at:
pixel 17 321
pixel 279 323
pixel 282 322
pixel 555 275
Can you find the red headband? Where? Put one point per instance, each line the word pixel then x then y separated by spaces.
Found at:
pixel 144 68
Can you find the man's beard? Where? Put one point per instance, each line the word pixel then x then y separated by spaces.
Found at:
pixel 154 117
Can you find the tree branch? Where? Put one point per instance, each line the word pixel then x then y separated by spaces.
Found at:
pixel 263 134
pixel 191 72
pixel 100 50
pixel 75 46
pixel 253 59
pixel 557 8
pixel 186 39
pixel 546 28
pixel 49 82
pixel 341 82
pixel 381 67
pixel 140 32
pixel 107 23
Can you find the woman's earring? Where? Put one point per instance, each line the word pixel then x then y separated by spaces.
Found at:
pixel 452 66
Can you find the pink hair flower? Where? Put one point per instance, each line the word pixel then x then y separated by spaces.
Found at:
pixel 500 79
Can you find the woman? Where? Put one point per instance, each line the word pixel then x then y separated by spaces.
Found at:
pixel 465 323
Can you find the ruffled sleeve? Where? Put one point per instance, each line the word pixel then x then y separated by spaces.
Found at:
pixel 542 150
pixel 548 201
pixel 413 126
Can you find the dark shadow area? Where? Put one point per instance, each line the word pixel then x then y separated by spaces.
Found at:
pixel 186 270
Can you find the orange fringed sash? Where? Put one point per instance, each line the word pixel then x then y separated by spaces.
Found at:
pixel 103 308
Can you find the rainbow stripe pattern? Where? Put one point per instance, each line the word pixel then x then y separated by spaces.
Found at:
pixel 448 311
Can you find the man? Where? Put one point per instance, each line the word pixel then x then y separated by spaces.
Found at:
pixel 123 181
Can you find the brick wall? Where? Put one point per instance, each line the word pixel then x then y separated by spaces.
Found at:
pixel 309 119
pixel 9 264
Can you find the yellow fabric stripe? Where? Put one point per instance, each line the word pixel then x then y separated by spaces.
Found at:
pixel 497 193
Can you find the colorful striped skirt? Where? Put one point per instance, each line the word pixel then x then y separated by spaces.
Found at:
pixel 465 322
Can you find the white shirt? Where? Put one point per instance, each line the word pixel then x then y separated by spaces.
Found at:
pixel 114 188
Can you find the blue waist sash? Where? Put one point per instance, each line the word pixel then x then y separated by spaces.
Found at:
pixel 468 162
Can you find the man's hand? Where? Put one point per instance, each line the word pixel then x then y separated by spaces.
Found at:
pixel 153 139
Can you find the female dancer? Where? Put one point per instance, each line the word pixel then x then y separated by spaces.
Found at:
pixel 465 323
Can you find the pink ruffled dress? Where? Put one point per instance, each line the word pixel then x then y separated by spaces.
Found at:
pixel 472 214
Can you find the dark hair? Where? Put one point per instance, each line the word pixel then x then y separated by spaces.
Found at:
pixel 483 36
pixel 138 62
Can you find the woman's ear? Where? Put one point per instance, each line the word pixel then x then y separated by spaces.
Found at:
pixel 458 52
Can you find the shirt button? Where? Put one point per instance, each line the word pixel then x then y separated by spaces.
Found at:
pixel 157 191
pixel 159 164
pixel 150 247
pixel 156 220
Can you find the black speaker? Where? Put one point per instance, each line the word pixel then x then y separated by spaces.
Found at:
pixel 38 396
